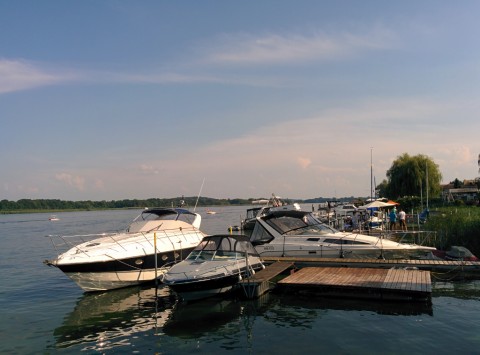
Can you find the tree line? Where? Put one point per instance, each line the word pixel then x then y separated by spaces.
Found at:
pixel 58 205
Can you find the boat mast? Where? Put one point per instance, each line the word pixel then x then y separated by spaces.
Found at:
pixel 371 174
pixel 426 182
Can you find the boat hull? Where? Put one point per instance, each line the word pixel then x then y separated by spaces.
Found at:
pixel 104 281
pixel 113 274
pixel 191 290
pixel 329 252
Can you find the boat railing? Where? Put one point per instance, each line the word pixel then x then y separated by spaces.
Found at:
pixel 424 238
pixel 167 234
pixel 224 267
pixel 62 243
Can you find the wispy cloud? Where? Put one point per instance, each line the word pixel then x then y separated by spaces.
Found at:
pixel 78 182
pixel 294 48
pixel 16 75
pixel 230 49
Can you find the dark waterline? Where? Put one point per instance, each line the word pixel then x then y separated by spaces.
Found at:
pixel 44 312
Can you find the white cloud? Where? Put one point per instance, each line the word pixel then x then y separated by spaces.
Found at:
pixel 274 48
pixel 78 182
pixel 16 75
pixel 149 169
pixel 304 162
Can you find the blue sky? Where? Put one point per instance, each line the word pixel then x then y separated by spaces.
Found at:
pixel 106 100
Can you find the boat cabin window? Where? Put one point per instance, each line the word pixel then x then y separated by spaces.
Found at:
pixel 221 248
pixel 343 241
pixel 260 235
pixel 298 225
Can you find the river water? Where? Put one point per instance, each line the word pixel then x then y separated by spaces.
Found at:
pixel 42 311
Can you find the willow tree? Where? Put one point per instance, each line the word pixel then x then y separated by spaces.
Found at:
pixel 412 175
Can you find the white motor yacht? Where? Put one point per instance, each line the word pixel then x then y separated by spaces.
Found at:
pixel 300 234
pixel 154 241
pixel 215 266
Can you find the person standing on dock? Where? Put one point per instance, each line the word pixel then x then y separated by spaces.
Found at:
pixel 393 218
pixel 402 220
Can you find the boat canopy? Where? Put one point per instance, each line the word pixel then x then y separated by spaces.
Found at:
pixel 167 211
pixel 159 213
pixel 296 223
pixel 224 244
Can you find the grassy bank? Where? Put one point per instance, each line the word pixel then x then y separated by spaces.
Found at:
pixel 456 226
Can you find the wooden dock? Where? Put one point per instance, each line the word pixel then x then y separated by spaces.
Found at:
pixel 373 283
pixel 440 269
pixel 364 278
pixel 261 283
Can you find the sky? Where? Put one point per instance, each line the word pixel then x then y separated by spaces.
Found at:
pixel 111 100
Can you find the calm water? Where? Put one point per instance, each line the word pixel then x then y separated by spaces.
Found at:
pixel 42 311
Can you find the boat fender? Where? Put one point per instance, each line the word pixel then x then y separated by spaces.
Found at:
pixel 240 278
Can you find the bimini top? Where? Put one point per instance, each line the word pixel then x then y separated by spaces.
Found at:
pixel 224 245
pixel 292 223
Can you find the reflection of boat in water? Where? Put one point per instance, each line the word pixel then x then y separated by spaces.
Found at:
pixel 234 317
pixel 155 240
pixel 207 316
pixel 106 320
pixel 215 266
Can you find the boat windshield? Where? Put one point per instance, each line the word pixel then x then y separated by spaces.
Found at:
pixel 296 224
pixel 222 247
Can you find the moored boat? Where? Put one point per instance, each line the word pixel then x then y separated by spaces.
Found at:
pixel 274 204
pixel 155 240
pixel 300 234
pixel 214 267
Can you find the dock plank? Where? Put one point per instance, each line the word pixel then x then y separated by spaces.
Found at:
pixel 460 269
pixel 403 282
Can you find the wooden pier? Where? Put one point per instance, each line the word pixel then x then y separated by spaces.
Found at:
pixel 440 269
pixel 364 278
pixel 261 283
pixel 387 284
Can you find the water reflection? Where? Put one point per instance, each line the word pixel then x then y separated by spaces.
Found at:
pixel 319 304
pixel 106 320
pixel 206 316
pixel 458 289
pixel 103 321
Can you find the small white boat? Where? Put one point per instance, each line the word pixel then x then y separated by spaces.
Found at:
pixel 344 209
pixel 300 234
pixel 214 267
pixel 53 218
pixel 211 212
pixel 154 241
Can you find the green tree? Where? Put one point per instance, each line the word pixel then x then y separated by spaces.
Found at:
pixel 408 177
pixel 381 189
pixel 457 183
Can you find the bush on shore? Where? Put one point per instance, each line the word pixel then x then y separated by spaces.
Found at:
pixel 456 226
